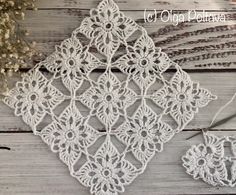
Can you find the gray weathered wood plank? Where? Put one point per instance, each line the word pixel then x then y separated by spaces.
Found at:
pixel 193 45
pixel 30 168
pixel 140 5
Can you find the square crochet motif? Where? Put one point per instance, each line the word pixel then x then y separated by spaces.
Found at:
pixel 117 106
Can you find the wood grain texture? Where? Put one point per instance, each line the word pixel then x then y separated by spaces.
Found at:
pixel 194 45
pixel 30 168
pixel 140 5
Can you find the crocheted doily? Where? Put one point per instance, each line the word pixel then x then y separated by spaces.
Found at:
pixel 210 162
pixel 107 104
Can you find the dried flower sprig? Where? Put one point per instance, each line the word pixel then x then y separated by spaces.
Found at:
pixel 15 51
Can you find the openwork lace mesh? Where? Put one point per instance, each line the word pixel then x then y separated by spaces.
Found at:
pixel 210 162
pixel 107 104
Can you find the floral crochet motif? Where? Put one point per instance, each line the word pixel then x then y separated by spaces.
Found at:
pixel 104 104
pixel 209 161
pixel 145 134
pixel 107 172
pixel 69 135
pixel 181 98
pixel 108 97
pixel 144 61
pixel 107 27
pixel 71 62
pixel 33 97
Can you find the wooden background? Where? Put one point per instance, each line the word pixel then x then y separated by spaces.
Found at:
pixel 205 50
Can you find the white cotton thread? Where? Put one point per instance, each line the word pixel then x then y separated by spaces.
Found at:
pixel 222 109
pixel 208 161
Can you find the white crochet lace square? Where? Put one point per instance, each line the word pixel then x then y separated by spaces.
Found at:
pixel 139 105
pixel 210 163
